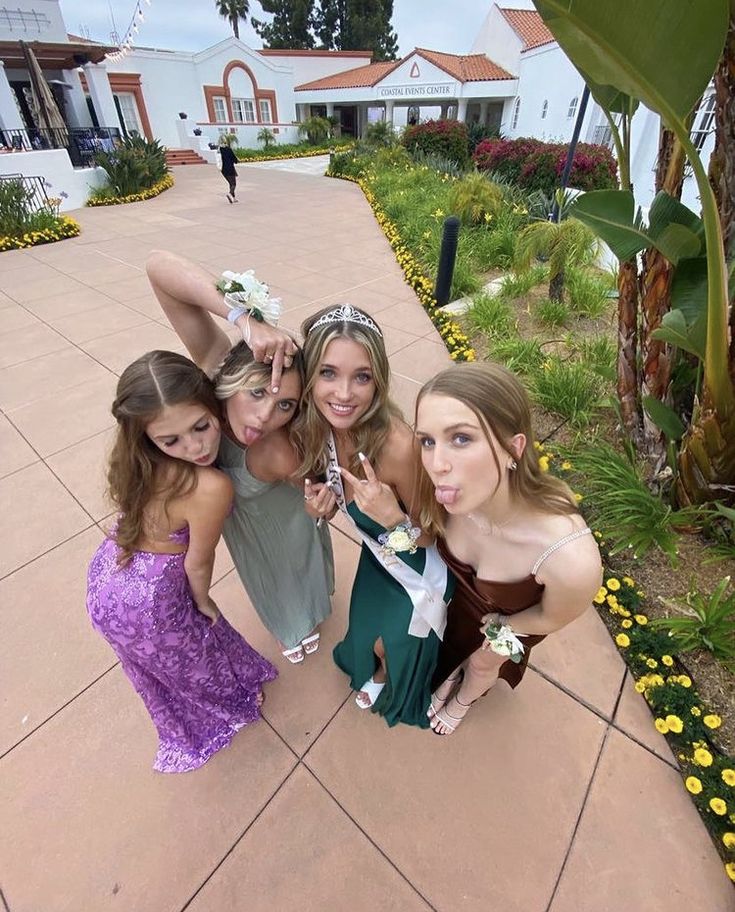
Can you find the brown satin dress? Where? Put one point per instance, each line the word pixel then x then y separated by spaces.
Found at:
pixel 473 598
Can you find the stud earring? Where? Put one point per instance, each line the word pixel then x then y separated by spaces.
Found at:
pixel 512 465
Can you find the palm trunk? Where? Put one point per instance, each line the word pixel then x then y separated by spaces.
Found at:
pixel 655 284
pixel 628 349
pixel 556 287
pixel 235 26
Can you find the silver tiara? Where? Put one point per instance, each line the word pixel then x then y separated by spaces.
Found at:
pixel 346 313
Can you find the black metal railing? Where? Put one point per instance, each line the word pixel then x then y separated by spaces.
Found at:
pixel 36 197
pixel 82 143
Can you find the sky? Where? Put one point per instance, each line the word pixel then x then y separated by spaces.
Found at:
pixel 192 25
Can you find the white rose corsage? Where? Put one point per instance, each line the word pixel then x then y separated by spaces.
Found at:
pixel 402 537
pixel 504 642
pixel 246 294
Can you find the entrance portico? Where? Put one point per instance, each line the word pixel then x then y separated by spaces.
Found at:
pixel 425 84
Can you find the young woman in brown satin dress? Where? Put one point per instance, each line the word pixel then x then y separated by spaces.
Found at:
pixel 511 533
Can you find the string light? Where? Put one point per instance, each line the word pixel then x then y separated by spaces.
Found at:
pixel 127 43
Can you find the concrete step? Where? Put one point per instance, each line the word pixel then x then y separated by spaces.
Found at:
pixel 184 157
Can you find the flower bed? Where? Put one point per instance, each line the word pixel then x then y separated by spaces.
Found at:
pixel 455 339
pixel 99 198
pixel 277 153
pixel 678 711
pixel 65 227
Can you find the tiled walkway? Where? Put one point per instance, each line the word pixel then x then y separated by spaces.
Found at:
pixel 559 797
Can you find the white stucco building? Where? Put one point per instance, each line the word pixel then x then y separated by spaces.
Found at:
pixel 515 77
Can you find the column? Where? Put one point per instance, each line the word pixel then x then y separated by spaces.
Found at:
pixel 462 110
pixel 444 110
pixel 77 112
pixel 101 95
pixel 330 109
pixel 389 111
pixel 483 113
pixel 10 118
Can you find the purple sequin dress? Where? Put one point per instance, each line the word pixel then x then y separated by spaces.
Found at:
pixel 199 681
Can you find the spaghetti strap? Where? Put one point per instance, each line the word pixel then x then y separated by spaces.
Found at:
pixel 560 544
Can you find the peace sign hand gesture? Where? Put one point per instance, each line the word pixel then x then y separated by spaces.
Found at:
pixel 374 498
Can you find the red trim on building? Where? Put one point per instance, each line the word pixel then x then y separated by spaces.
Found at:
pixel 131 84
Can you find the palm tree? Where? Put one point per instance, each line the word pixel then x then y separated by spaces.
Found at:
pixel 233 11
pixel 565 243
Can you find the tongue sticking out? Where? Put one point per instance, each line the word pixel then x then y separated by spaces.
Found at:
pixel 251 435
pixel 446 495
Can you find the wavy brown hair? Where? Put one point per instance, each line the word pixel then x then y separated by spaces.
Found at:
pixel 138 469
pixel 501 405
pixel 310 428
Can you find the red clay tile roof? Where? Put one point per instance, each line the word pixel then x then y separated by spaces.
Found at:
pixel 465 67
pixel 468 68
pixel 360 77
pixel 529 27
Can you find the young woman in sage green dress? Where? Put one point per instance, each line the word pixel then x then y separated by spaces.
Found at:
pixel 283 559
pixel 347 425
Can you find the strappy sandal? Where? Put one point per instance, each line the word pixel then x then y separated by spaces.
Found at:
pixel 448 720
pixel 373 689
pixel 294 655
pixel 311 643
pixel 436 702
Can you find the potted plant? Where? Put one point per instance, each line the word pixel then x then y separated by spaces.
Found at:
pixel 197 131
pixel 183 115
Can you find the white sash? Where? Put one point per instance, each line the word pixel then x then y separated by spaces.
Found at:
pixel 425 591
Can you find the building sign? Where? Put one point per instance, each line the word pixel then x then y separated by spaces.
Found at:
pixel 438 90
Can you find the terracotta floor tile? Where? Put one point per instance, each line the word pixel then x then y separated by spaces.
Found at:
pixel 48 638
pixel 634 718
pixel 148 305
pixel 127 289
pixel 36 513
pixel 421 359
pixel 395 339
pixel 307 695
pixel 110 273
pixel 498 799
pixel 120 349
pixel 55 423
pixel 29 342
pixel 44 375
pixel 367 297
pixel 15 259
pixel 94 324
pixel 582 658
pixel 114 835
pixel 404 392
pixel 408 316
pixel 15 317
pixel 32 289
pixel 82 469
pixel 57 306
pixel 23 270
pixel 304 845
pixel 17 452
pixel 641 843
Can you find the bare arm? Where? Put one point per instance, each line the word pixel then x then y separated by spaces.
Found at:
pixel 189 299
pixel 206 511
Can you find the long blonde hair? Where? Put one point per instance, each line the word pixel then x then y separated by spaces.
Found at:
pixel 137 467
pixel 502 407
pixel 240 371
pixel 310 428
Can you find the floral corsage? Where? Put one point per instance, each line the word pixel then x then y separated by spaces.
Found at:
pixel 245 294
pixel 504 642
pixel 402 537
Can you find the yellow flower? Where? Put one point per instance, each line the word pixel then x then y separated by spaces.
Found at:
pixel 612 601
pixel 675 724
pixel 640 685
pixel 578 497
pixel 641 619
pixel 543 463
pixel 623 640
pixel 695 711
pixel 693 785
pixel 730 869
pixel 712 720
pixel 613 584
pixel 566 465
pixel 702 757
pixel 627 624
pixel 718 806
pixel 599 599
pixel 686 681
pixel 729 840
pixel 655 680
pixel 667 660
pixel 652 663
pixel 728 777
pixel 661 726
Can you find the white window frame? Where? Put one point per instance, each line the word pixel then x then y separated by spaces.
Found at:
pixel 264 109
pixel 544 109
pixel 243 110
pixel 220 109
pixel 572 112
pixel 704 119
pixel 129 110
pixel 516 113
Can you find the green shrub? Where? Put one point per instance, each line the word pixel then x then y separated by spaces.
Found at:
pixel 551 313
pixel 491 314
pixel 708 623
pixel 15 207
pixel 478 132
pixel 518 284
pixel 134 165
pixel 391 157
pixel 522 356
pixel 475 200
pixel 536 165
pixel 597 352
pixel 267 137
pixel 589 294
pixel 380 133
pixel 346 164
pixel 316 130
pixel 448 138
pixel 436 162
pixel 568 389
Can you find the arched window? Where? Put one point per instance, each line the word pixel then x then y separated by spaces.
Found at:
pixel 572 108
pixel 516 113
pixel 544 109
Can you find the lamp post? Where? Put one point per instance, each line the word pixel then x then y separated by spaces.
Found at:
pixel 555 214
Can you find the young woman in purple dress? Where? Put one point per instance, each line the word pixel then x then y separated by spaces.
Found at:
pixel 148 582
